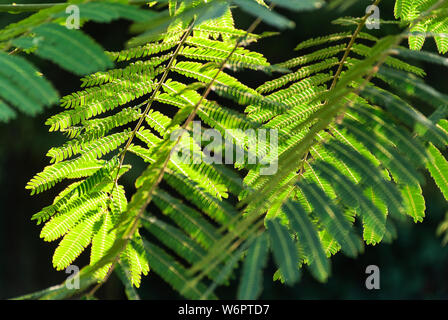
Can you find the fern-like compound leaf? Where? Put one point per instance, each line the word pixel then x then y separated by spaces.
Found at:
pixel 284 251
pixel 74 243
pixel 308 239
pixel 70 49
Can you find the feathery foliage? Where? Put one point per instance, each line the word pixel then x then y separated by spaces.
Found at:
pixel 351 146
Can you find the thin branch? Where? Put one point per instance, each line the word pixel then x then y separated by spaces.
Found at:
pixel 350 45
pixel 151 100
pixel 385 55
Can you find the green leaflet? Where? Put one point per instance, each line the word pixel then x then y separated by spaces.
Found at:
pixel 245 98
pixel 333 219
pixel 136 260
pixel 89 150
pixel 71 214
pixel 314 56
pixel 53 174
pixel 264 13
pixel 299 5
pixel 23 88
pixel 395 134
pixel 106 12
pixel 204 175
pixel 311 175
pixel 219 210
pixel 438 167
pixel 141 51
pixel 404 9
pixel 134 71
pixel 308 239
pixel 95 101
pixel 371 175
pixel 299 74
pixel 130 291
pixel 352 196
pixel 371 236
pixel 102 241
pixel 414 201
pixel 251 281
pixel 395 63
pixel 397 163
pixel 332 38
pixel 230 265
pixel 187 218
pixel 212 50
pixel 74 243
pixel 171 271
pixel 70 49
pixel 414 86
pixel 119 202
pixel 284 251
pixel 98 179
pixel 206 74
pixel 6 113
pixel 174 239
pixel 164 21
pixel 423 55
pixel 416 42
pixel 436 23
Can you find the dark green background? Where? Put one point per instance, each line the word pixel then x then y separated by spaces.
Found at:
pixel 415 266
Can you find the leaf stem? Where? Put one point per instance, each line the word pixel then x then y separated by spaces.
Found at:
pixel 123 153
pixel 151 99
pixel 350 45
